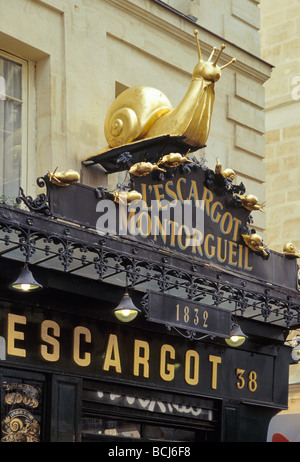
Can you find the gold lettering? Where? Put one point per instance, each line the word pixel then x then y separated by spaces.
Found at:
pixel 232 253
pixel 236 228
pixel 179 193
pixel 206 200
pixel 167 371
pixel 215 360
pixel 193 191
pixel 126 219
pixel 187 232
pixel 158 195
pixel 246 266
pixel 158 228
pixel 13 335
pixel 148 223
pixel 50 354
pixel 240 265
pixel 220 259
pixel 210 253
pixel 170 192
pixel 191 376
pixel 112 351
pixel 78 332
pixel 144 196
pixel 141 360
pixel 216 218
pixel 197 241
pixel 224 229
pixel 172 232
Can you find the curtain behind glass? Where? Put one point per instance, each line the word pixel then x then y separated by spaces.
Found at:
pixel 10 128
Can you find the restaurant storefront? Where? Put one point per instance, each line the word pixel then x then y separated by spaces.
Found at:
pixel 72 371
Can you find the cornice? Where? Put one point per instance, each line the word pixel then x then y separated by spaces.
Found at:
pixel 168 20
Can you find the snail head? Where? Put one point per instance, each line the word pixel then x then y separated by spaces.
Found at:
pixel 209 69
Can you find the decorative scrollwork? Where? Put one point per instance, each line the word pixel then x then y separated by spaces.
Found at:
pixel 140 271
pixel 38 205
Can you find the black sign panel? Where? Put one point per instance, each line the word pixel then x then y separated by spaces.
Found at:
pixel 58 342
pixel 180 214
pixel 189 315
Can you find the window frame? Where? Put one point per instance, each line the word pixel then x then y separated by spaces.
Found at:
pixel 24 181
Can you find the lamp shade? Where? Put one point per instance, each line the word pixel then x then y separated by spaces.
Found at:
pixel 126 311
pixel 237 337
pixel 296 353
pixel 25 281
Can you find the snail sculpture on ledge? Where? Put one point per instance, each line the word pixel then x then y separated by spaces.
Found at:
pixel 255 243
pixel 174 159
pixel 143 168
pixel 227 173
pixel 143 112
pixel 125 197
pixel 250 202
pixel 290 250
pixel 63 178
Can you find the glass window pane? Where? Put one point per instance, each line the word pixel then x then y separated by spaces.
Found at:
pixel 107 427
pixel 160 433
pixel 10 127
pixel 11 73
pixel 21 410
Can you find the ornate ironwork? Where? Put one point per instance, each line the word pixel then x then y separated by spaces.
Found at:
pixel 40 204
pixel 48 242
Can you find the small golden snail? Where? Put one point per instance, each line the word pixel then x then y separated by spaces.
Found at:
pixel 144 112
pixel 63 178
pixel 174 159
pixel 250 202
pixel 125 197
pixel 227 173
pixel 254 242
pixel 289 250
pixel 143 168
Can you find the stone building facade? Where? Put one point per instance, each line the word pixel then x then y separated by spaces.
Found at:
pixel 280 36
pixel 280 42
pixel 62 63
pixel 74 57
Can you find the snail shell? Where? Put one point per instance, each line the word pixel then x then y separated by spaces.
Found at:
pixel 64 178
pixel 16 425
pixel 143 168
pixel 124 197
pixel 289 249
pixel 133 113
pixel 174 159
pixel 254 242
pixel 250 202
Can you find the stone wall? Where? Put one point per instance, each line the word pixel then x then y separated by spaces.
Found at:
pixel 80 51
pixel 280 37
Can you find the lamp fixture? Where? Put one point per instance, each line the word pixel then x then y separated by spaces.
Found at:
pixel 296 353
pixel 237 337
pixel 25 282
pixel 295 343
pixel 126 311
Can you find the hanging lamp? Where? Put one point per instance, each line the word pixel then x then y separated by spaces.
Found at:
pixel 25 282
pixel 237 337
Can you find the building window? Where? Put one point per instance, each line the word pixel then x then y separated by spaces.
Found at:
pixel 13 73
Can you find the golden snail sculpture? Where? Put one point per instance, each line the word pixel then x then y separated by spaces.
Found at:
pixel 144 112
pixel 174 159
pixel 227 173
pixel 255 243
pixel 143 168
pixel 125 197
pixel 290 250
pixel 63 178
pixel 250 202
